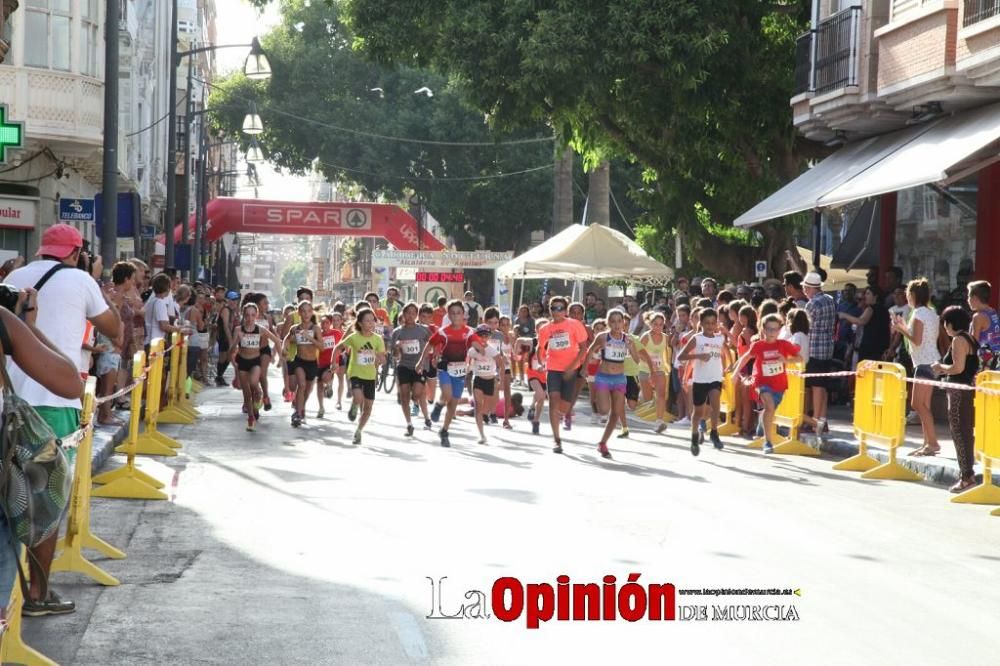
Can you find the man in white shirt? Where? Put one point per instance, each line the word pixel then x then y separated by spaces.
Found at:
pixel 67 299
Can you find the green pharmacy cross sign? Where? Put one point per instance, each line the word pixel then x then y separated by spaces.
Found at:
pixel 11 134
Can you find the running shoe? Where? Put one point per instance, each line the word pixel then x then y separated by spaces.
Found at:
pixel 295 420
pixel 339 406
pixel 251 425
pixel 414 410
pixel 686 421
pixel 695 444
pixel 660 427
pixel 427 424
pixel 557 448
pixel 352 413
pixel 768 448
pixel 623 434
pixel 267 404
pixel 602 448
pixel 444 439
pixel 436 412
pixel 531 413
pixel 493 419
pixel 535 425
pixel 716 442
pixel 409 430
pixel 357 437
pixel 320 413
pixel 328 392
pixel 482 440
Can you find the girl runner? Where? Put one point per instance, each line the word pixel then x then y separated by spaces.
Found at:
pixel 632 369
pixel 496 339
pixel 747 335
pixel 486 365
pixel 367 354
pixel 266 321
pixel 332 335
pixel 287 369
pixel 430 365
pixel 507 379
pixel 455 340
pixel 308 337
pixel 246 356
pixel 654 352
pixel 535 372
pixel 564 345
pixel 707 351
pixel 613 346
pixel 593 364
pixel 678 334
pixel 408 341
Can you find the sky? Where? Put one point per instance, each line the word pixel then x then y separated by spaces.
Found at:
pixel 237 23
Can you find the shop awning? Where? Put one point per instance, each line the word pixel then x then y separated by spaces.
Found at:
pixel 930 153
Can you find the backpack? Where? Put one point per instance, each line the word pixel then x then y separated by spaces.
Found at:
pixel 472 316
pixel 35 477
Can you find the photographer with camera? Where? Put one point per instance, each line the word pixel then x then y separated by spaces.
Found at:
pixel 66 300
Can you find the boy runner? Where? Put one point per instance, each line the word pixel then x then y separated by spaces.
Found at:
pixel 707 351
pixel 408 341
pixel 563 344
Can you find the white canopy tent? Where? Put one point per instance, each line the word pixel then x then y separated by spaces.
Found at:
pixel 592 253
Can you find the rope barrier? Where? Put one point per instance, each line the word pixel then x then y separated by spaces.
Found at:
pixel 911 380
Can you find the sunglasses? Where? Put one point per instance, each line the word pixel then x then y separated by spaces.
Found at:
pixel 772 329
pixel 557 308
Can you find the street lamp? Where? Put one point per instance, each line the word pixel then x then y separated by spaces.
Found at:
pixel 256 67
pixel 254 153
pixel 252 123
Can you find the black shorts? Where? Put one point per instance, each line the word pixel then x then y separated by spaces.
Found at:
pixel 266 351
pixel 311 368
pixel 818 365
pixel 247 364
pixel 431 372
pixel 290 366
pixel 557 383
pixel 406 375
pixel 487 386
pixel 631 388
pixel 700 393
pixel 367 387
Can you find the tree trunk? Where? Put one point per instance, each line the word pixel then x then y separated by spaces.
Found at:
pixel 562 192
pixel 599 195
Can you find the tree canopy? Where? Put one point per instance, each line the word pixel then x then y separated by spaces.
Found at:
pixel 694 91
pixel 360 122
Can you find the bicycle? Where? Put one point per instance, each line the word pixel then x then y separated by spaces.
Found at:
pixel 387 379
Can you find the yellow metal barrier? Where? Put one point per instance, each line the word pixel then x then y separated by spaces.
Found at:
pixel 78 534
pixel 176 412
pixel 987 442
pixel 790 414
pixel 880 416
pixel 13 649
pixel 728 414
pixel 183 399
pixel 152 442
pixel 128 482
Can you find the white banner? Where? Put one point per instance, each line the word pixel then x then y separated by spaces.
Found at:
pixel 17 213
pixel 447 259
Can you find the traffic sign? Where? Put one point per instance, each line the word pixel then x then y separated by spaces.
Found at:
pixel 760 269
pixel 11 134
pixel 76 210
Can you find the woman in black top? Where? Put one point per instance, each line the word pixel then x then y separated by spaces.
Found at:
pixel 874 338
pixel 959 366
pixel 524 327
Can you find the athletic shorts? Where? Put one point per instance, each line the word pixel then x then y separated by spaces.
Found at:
pixel 311 368
pixel 777 395
pixel 406 375
pixel 290 366
pixel 367 387
pixel 701 392
pixel 431 372
pixel 487 386
pixel 266 351
pixel 538 381
pixel 247 364
pixel 818 365
pixel 457 384
pixel 559 384
pixel 611 383
pixel 631 388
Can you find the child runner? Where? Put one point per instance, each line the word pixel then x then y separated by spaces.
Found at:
pixel 308 337
pixel 535 372
pixel 653 345
pixel 430 365
pixel 632 369
pixel 408 341
pixel 496 339
pixel 332 335
pixel 265 321
pixel 486 366
pixel 593 364
pixel 505 327
pixel 246 356
pixel 454 340
pixel 613 346
pixel 680 330
pixel 770 378
pixel 288 371
pixel 707 350
pixel 578 312
pixel 563 344
pixel 367 354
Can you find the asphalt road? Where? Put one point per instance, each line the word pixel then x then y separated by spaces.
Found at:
pixel 292 546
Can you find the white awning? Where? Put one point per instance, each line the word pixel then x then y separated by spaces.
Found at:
pixel 888 163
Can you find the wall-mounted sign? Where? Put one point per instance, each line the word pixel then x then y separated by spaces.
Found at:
pixel 11 134
pixel 440 259
pixel 76 210
pixel 17 213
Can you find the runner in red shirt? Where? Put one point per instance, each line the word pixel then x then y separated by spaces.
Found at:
pixel 454 342
pixel 331 327
pixel 769 375
pixel 563 344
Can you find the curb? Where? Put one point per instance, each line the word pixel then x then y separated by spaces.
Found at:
pixel 105 441
pixel 939 471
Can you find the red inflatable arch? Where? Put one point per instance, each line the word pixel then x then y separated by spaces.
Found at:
pixel 255 216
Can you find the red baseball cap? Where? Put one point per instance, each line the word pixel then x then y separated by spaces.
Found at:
pixel 60 240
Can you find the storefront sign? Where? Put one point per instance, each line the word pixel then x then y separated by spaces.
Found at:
pixel 448 260
pixel 432 276
pixel 76 210
pixel 17 213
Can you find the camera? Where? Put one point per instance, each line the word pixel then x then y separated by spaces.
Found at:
pixel 9 296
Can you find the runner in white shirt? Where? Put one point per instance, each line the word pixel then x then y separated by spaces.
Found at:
pixel 484 366
pixel 709 354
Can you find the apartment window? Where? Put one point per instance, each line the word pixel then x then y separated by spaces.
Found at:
pixel 979 10
pixel 88 27
pixel 901 7
pixel 47 33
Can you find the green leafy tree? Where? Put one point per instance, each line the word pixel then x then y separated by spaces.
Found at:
pixel 292 277
pixel 695 92
pixel 327 107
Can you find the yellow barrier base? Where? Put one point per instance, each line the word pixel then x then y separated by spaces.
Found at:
pixel 13 649
pixel 892 471
pixel 148 444
pixel 175 415
pixel 729 427
pixel 72 559
pixel 196 386
pixel 755 444
pixel 127 472
pixel 794 447
pixel 995 512
pixel 862 462
pixel 981 494
pixel 130 486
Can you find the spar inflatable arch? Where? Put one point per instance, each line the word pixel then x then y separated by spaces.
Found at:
pixel 256 216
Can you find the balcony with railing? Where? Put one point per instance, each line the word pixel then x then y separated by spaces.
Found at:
pixel 838 39
pixel 803 63
pixel 976 56
pixel 975 11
